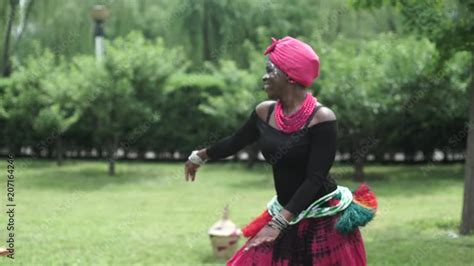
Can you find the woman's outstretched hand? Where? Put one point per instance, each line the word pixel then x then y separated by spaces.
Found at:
pixel 266 235
pixel 190 170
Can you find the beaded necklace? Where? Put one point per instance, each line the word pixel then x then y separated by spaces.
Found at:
pixel 294 122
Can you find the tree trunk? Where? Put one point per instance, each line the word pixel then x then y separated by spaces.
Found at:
pixel 446 155
pixel 141 155
pixel 427 155
pixel 6 67
pixel 36 151
pixel 357 159
pixel 14 148
pixel 100 152
pixel 390 157
pixel 112 154
pixel 358 170
pixel 59 150
pixel 206 32
pixel 378 154
pixel 391 22
pixel 467 220
pixel 50 152
pixel 253 155
pixel 24 23
pixel 235 159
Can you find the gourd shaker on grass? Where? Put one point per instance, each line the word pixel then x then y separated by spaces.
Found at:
pixel 3 251
pixel 224 236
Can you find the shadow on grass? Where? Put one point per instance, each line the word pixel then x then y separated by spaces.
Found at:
pixel 211 260
pixel 407 180
pixel 89 176
pixel 384 180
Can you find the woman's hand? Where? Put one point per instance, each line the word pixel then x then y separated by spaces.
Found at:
pixel 266 235
pixel 190 170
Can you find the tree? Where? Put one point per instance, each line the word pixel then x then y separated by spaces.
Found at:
pixel 60 106
pixel 450 26
pixel 363 84
pixel 6 64
pixel 22 101
pixel 128 87
pixel 243 88
pixel 42 98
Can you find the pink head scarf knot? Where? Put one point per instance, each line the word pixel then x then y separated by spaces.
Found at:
pixel 296 58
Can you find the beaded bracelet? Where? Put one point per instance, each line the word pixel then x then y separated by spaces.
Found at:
pixel 195 159
pixel 279 222
pixel 275 225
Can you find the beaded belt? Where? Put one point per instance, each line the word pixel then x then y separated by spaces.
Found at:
pixel 317 209
pixel 357 209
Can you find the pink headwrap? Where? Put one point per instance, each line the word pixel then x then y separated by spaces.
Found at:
pixel 296 58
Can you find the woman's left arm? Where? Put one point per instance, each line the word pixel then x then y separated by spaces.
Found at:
pixel 321 158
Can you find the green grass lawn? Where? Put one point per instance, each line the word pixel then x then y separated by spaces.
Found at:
pixel 148 215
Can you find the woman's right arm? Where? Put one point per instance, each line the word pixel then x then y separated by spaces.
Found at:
pixel 230 145
pixel 245 135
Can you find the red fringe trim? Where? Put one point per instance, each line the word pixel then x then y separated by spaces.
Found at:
pixel 366 197
pixel 257 224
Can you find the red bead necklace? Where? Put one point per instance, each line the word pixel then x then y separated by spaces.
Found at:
pixel 294 122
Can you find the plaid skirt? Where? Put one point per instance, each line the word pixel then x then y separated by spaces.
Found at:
pixel 312 241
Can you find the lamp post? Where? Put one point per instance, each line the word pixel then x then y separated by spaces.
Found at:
pixel 99 14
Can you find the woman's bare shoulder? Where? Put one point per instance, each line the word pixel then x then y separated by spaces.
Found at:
pixel 322 115
pixel 262 109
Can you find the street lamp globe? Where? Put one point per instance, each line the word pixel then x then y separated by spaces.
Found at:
pixel 99 13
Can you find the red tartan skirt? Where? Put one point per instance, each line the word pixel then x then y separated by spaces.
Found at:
pixel 312 241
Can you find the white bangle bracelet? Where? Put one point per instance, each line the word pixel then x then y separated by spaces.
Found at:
pixel 195 159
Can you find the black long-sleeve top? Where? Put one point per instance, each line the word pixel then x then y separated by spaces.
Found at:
pixel 300 161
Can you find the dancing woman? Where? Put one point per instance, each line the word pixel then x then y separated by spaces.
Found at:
pixel 311 220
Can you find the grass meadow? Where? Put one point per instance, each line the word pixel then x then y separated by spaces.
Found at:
pixel 148 215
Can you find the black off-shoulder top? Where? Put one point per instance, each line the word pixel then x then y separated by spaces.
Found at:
pixel 300 160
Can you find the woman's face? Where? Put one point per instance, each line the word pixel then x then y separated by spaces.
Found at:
pixel 274 81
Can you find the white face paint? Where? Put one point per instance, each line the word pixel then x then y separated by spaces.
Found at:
pixel 275 70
